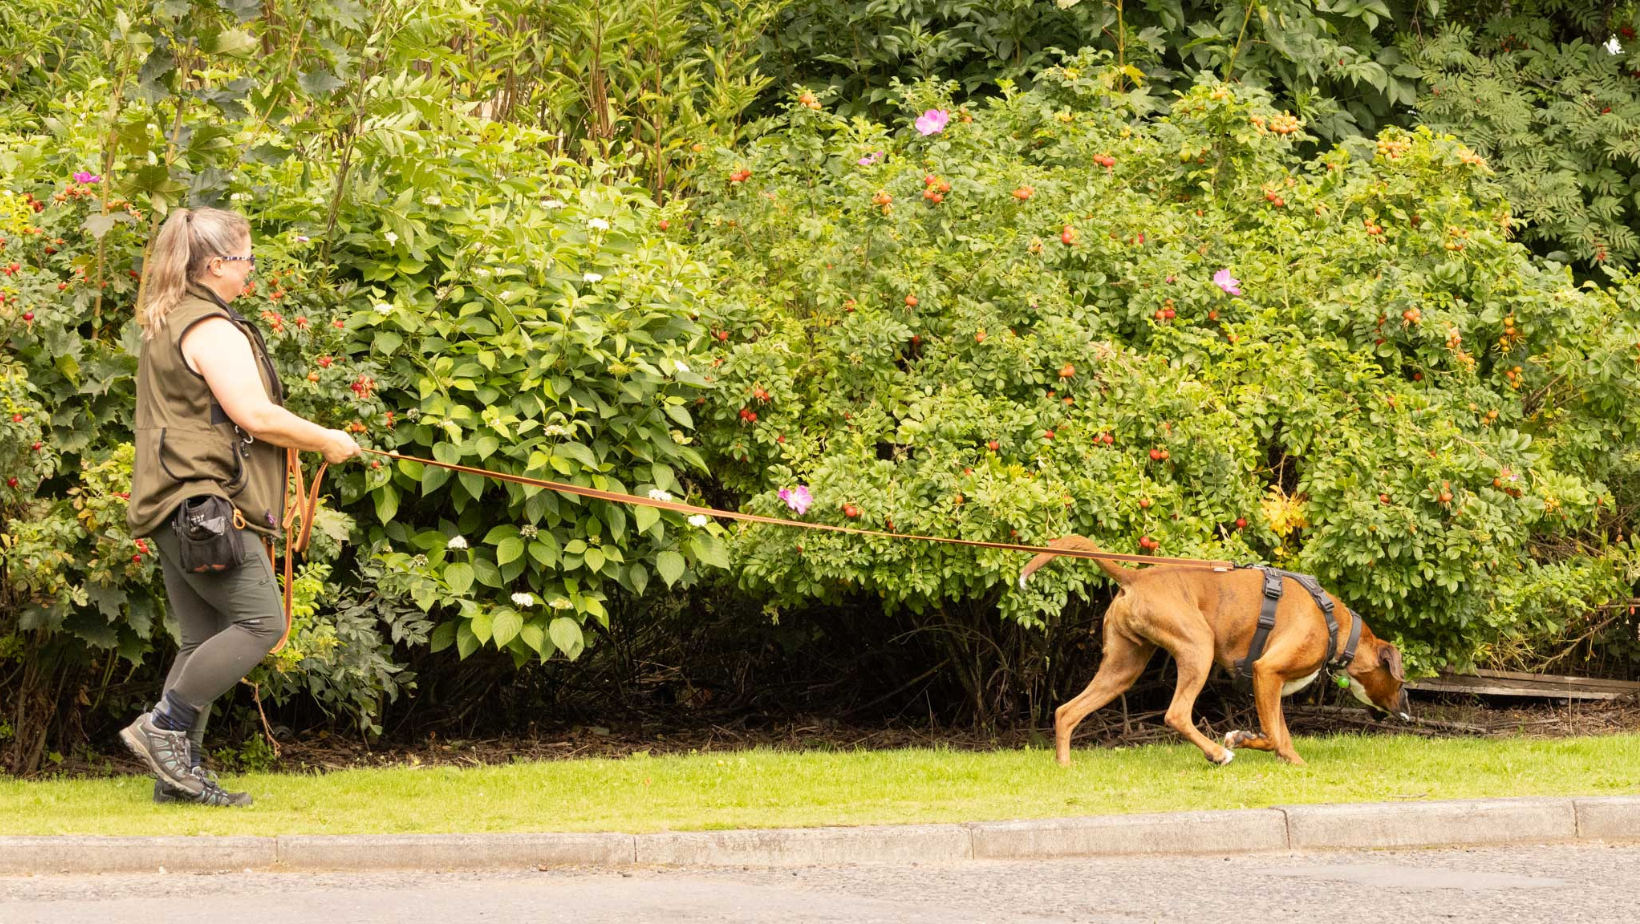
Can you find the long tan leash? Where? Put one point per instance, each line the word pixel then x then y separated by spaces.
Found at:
pixel 633 499
pixel 303 506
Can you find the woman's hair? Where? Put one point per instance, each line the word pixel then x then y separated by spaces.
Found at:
pixel 189 239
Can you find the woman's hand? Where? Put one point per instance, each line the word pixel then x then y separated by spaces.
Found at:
pixel 340 447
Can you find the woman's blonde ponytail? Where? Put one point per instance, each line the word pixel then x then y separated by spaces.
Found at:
pixel 187 242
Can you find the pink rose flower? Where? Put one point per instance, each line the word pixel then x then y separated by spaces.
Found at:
pixel 933 121
pixel 798 500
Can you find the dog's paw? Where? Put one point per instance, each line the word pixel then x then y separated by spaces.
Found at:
pixel 1022 578
pixel 1232 739
pixel 1229 755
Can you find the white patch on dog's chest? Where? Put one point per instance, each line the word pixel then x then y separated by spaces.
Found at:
pixel 1360 693
pixel 1293 686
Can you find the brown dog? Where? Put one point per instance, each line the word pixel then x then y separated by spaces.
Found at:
pixel 1201 617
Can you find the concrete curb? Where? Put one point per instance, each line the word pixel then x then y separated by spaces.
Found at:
pixel 1283 829
pixel 800 846
pixel 1182 833
pixel 133 854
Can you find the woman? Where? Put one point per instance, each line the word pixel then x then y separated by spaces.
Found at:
pixel 208 483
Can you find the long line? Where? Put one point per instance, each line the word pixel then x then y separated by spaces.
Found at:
pixel 635 500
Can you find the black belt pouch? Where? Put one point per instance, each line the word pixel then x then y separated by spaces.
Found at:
pixel 207 541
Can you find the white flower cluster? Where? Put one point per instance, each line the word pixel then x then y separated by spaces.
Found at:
pixel 699 519
pixel 555 430
pixel 598 224
pixel 456 542
pixel 559 603
pixel 658 494
pixel 523 600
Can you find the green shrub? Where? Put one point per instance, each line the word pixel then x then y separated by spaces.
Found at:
pixel 1400 400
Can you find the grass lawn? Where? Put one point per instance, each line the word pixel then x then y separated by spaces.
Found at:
pixel 767 788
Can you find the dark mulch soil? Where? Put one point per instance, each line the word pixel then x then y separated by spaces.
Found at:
pixel 1442 717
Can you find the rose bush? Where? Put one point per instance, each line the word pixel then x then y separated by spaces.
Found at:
pixel 1052 316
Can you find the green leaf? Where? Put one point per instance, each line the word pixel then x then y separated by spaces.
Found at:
pixel 498 533
pixel 319 82
pixel 595 560
pixel 443 637
pixel 386 342
pixel 509 549
pixel 387 503
pixel 459 576
pixel 535 636
pixel 639 576
pixel 579 453
pixel 566 634
pixel 709 550
pixel 483 627
pixel 505 625
pixel 545 550
pixel 670 565
pixel 98 225
pixel 232 42
pixel 645 517
pixel 466 641
pixel 243 10
pixel 488 574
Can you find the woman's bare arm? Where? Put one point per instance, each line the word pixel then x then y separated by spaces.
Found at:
pixel 218 350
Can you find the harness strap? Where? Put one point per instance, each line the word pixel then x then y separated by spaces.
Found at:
pixel 1355 638
pixel 1266 622
pixel 1321 599
pixel 1273 578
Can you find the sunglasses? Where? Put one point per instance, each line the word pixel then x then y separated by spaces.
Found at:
pixel 251 260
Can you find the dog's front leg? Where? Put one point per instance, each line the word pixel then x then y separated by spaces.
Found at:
pixel 1267 684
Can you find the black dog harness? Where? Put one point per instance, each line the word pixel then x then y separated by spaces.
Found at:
pixel 1267 619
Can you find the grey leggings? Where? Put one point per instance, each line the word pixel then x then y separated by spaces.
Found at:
pixel 229 622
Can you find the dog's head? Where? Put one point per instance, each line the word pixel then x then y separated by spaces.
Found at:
pixel 1377 678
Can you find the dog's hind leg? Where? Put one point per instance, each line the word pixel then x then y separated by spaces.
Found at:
pixel 1124 660
pixel 1193 656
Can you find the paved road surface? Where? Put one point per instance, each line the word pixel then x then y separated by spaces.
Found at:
pixel 1561 884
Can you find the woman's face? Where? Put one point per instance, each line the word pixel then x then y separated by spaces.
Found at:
pixel 228 273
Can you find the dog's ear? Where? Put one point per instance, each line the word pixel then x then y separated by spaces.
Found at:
pixel 1391 656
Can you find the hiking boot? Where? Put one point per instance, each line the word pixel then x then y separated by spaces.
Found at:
pixel 165 752
pixel 214 794
pixel 211 794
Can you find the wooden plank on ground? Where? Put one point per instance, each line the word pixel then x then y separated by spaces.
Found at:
pixel 1512 683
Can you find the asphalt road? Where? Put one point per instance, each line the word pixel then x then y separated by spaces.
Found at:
pixel 1563 884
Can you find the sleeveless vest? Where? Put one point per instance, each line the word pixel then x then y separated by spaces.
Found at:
pixel 185 443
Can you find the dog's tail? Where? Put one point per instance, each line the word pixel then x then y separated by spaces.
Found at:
pixel 1118 573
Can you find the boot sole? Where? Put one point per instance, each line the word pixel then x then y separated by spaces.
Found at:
pixel 173 798
pixel 136 745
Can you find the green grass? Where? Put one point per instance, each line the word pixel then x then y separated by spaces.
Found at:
pixel 767 788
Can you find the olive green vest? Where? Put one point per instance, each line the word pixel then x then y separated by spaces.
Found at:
pixel 185 443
